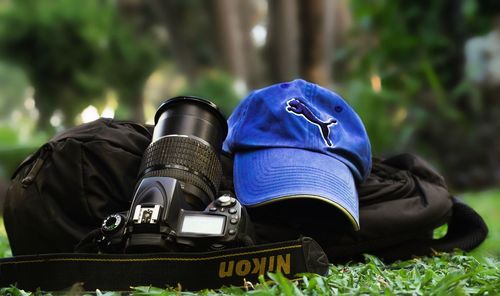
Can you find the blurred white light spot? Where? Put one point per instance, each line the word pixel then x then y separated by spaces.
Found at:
pixel 89 114
pixel 259 34
pixel 16 115
pixel 240 87
pixel 376 83
pixel 29 103
pixel 34 114
pixel 108 112
pixel 56 118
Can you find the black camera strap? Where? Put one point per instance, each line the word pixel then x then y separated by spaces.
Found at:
pixel 193 271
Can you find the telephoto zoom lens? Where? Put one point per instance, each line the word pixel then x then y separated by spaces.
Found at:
pixel 186 145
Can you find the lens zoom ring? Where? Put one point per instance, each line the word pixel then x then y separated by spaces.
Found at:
pixel 185 177
pixel 185 152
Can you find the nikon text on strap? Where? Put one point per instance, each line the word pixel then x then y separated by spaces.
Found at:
pixel 193 271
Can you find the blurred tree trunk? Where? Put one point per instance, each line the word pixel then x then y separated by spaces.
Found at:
pixel 282 40
pixel 249 19
pixel 229 37
pixel 300 40
pixel 342 21
pixel 45 108
pixel 316 38
pixel 135 103
pixel 453 26
pixel 135 12
pixel 168 15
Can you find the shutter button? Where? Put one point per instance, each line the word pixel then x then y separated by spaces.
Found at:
pixel 225 201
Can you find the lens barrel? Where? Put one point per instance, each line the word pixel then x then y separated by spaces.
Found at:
pixel 186 145
pixel 191 116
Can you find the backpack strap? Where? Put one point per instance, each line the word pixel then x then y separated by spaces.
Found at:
pixel 466 229
pixel 193 271
pixel 428 205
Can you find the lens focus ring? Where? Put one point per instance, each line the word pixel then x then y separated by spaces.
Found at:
pixel 196 159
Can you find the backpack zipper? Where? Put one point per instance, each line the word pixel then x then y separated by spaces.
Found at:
pixel 33 172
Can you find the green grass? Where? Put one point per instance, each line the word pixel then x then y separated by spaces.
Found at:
pixel 4 243
pixel 475 273
pixel 487 203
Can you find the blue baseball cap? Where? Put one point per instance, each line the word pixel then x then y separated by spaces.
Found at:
pixel 298 140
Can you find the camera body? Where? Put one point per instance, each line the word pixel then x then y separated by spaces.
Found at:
pixel 158 222
pixel 176 204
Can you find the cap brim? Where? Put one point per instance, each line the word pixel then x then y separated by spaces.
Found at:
pixel 273 174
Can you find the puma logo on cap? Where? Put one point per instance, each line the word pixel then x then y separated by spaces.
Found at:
pixel 296 107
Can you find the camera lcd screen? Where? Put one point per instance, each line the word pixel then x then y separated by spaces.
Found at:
pixel 203 224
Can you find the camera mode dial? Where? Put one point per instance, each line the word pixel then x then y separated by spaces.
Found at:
pixel 112 223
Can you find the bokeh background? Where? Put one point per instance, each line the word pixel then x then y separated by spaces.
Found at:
pixel 424 76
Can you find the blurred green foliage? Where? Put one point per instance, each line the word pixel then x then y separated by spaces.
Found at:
pixel 383 115
pixel 423 104
pixel 7 135
pixel 72 53
pixel 401 68
pixel 217 87
pixel 12 152
pixel 13 83
pixel 408 49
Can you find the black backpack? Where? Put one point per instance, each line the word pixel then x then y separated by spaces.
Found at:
pixel 66 188
pixel 69 185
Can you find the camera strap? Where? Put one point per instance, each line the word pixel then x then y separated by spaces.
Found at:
pixel 193 271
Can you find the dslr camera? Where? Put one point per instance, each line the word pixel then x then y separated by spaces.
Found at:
pixel 176 204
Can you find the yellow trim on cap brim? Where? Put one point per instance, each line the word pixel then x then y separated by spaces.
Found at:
pixel 354 223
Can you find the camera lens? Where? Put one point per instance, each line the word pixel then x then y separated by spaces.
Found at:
pixel 186 145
